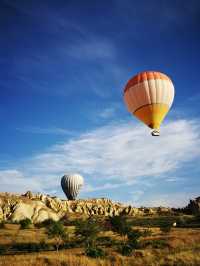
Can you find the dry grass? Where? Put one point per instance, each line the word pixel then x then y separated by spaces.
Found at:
pixel 21 236
pixel 76 258
pixel 184 249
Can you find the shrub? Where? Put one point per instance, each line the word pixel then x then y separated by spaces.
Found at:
pixel 45 223
pixel 133 238
pixel 166 228
pixel 126 250
pixel 94 252
pixel 2 249
pixel 25 223
pixel 2 223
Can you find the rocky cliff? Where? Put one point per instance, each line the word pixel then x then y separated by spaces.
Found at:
pixel 39 207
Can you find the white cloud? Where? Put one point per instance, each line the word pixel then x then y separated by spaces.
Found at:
pixel 123 151
pixel 113 156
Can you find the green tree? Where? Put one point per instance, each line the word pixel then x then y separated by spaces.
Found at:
pixel 88 231
pixel 57 231
pixel 120 225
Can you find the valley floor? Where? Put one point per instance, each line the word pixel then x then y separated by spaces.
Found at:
pixel 182 249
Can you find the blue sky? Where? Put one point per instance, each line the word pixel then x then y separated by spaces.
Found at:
pixel 64 65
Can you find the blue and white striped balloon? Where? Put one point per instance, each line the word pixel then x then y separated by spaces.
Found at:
pixel 71 185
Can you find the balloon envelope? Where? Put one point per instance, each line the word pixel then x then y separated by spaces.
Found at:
pixel 71 185
pixel 149 96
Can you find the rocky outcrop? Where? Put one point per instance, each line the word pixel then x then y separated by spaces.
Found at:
pixel 39 207
pixel 193 207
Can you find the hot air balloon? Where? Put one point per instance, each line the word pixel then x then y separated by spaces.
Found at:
pixel 71 185
pixel 149 96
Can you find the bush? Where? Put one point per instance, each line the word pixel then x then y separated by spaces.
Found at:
pixel 133 238
pixel 45 223
pixel 2 224
pixel 126 250
pixel 166 228
pixel 94 252
pixel 2 249
pixel 25 223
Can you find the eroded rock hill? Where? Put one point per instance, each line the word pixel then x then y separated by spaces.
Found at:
pixel 39 207
pixel 193 207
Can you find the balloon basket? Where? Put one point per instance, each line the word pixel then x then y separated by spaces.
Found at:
pixel 155 133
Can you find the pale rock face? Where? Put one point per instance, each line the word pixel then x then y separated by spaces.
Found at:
pixel 78 209
pixel 22 211
pixel 1 214
pixel 35 211
pixel 53 204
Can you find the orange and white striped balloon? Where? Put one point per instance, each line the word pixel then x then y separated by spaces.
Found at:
pixel 149 96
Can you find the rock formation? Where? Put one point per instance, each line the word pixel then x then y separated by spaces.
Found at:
pixel 39 207
pixel 193 207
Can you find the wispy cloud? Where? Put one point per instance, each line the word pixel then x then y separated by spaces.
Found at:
pixel 15 181
pixel 47 130
pixel 92 188
pixel 173 199
pixel 108 112
pixel 113 156
pixel 92 49
pixel 124 151
pixel 174 179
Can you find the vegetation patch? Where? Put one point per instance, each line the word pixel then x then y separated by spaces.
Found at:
pixel 95 252
pixel 25 223
pixel 155 243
